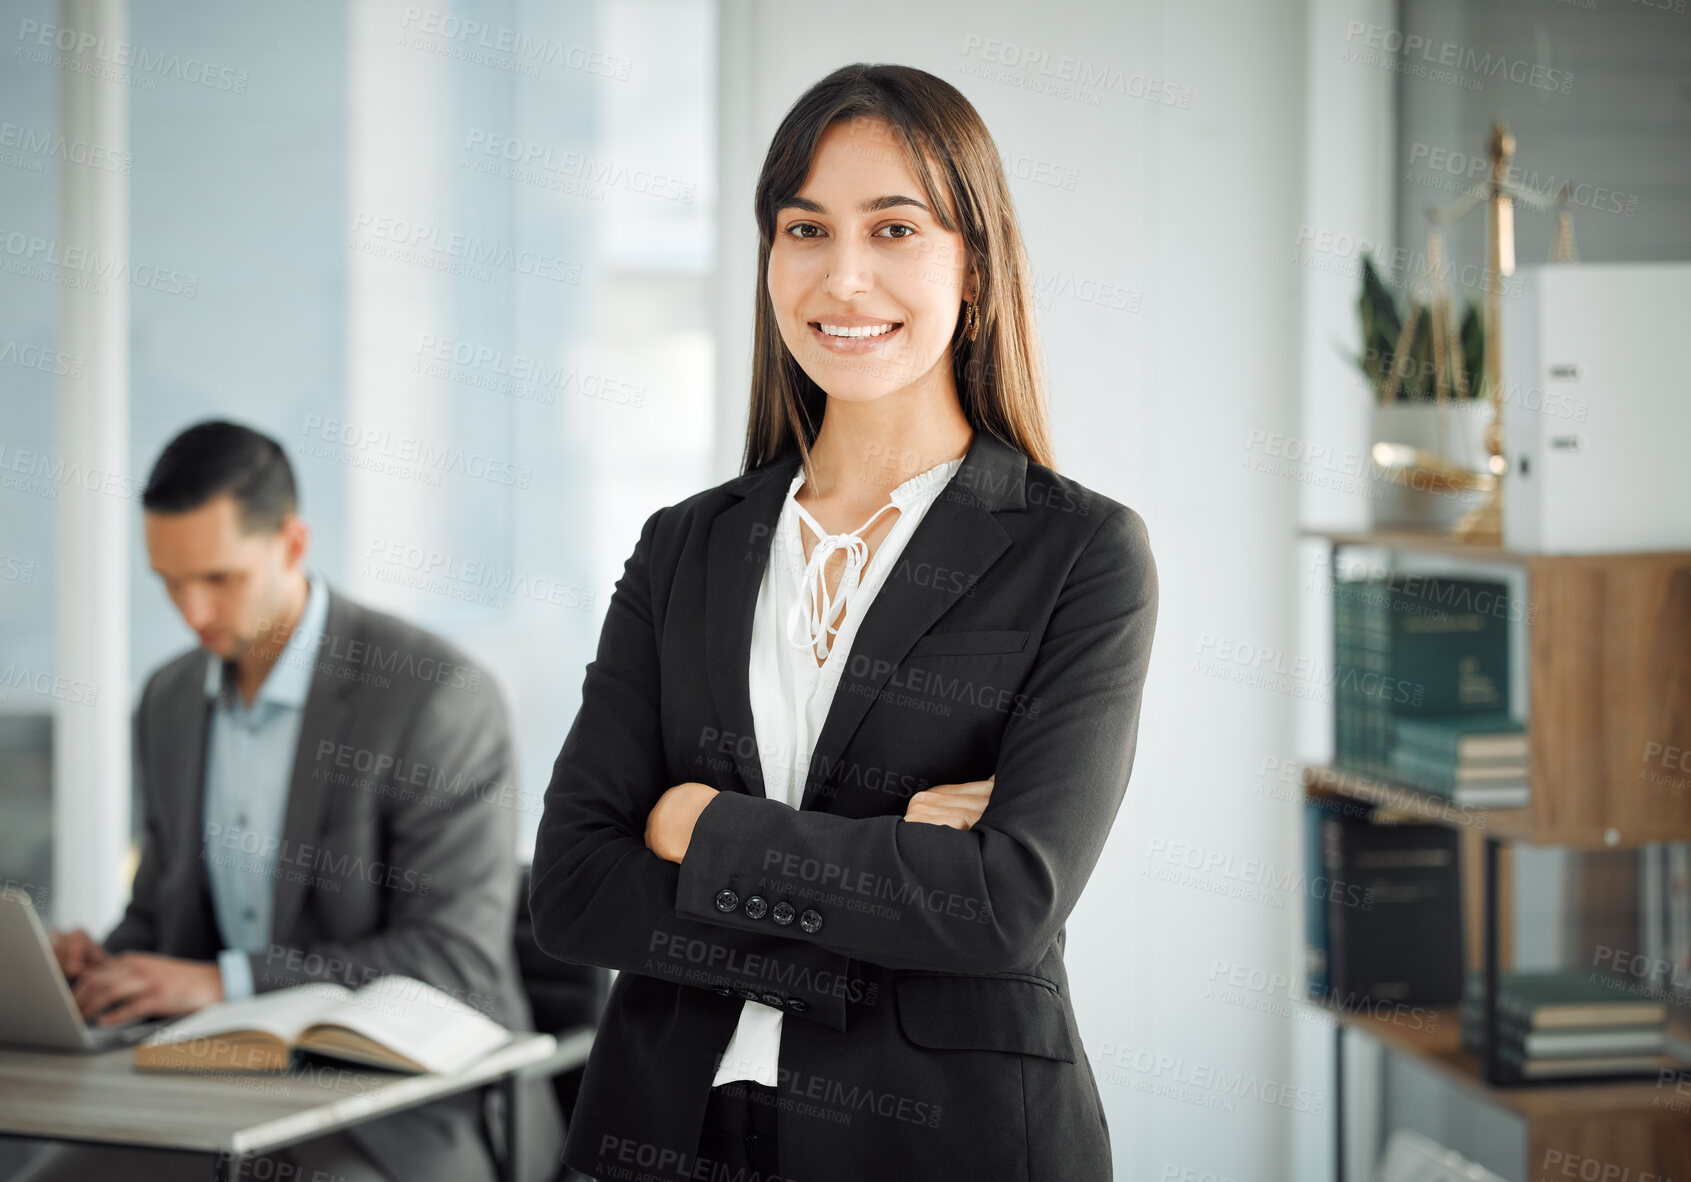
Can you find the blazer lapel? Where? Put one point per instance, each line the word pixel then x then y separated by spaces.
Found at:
pixel 958 535
pixel 740 539
pixel 328 714
pixel 190 718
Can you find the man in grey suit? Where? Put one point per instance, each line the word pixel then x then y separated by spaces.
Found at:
pixel 327 797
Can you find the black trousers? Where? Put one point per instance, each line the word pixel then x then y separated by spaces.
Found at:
pixel 739 1133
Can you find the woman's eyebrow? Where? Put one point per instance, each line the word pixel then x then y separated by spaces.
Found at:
pixel 871 205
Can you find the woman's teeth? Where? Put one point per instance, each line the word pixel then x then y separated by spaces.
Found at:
pixel 876 331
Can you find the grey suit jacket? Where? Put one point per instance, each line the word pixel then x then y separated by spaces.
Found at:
pixel 397 853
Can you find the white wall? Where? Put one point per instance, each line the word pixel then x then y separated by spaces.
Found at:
pixel 1194 207
pixel 1350 117
pixel 1610 122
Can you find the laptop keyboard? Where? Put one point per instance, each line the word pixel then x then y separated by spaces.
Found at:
pixel 107 1037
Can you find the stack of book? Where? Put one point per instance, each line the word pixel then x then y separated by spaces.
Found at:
pixel 1434 649
pixel 1566 1025
pixel 1476 760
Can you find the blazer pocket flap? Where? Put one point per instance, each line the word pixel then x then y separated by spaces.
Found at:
pixel 992 640
pixel 984 1014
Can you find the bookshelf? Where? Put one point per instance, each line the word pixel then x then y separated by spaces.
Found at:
pixel 1400 798
pixel 1608 692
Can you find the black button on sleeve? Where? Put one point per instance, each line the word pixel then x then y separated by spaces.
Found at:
pixel 811 920
pixel 797 1004
pixel 756 906
pixel 772 999
pixel 726 900
pixel 783 913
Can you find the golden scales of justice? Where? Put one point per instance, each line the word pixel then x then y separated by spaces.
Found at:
pixel 1483 524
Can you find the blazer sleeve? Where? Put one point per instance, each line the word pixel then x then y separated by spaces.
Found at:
pixel 137 931
pixel 599 896
pixel 991 898
pixel 455 846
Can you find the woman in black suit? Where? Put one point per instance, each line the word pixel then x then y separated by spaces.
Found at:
pixel 829 826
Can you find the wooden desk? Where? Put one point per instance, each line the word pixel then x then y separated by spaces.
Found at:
pixel 59 1096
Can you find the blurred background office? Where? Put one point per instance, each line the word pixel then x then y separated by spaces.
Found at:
pixel 487 271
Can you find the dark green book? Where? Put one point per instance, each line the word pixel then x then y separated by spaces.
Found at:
pixel 1520 1042
pixel 1463 738
pixel 1516 1066
pixel 1413 646
pixel 1447 647
pixel 1568 998
pixel 1581 1067
pixel 1360 738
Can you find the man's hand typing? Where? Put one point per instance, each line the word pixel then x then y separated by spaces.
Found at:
pixel 144 985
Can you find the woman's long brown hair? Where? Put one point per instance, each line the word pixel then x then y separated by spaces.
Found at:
pixel 999 376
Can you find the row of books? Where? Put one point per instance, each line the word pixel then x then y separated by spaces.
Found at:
pixel 1568 1025
pixel 1421 687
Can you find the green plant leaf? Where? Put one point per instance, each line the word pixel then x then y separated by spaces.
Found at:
pixel 1473 346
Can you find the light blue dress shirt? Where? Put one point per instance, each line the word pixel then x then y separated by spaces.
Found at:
pixel 249 764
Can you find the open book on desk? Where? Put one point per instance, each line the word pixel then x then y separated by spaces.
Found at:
pixel 393 1022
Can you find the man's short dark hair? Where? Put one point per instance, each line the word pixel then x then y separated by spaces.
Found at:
pixel 216 457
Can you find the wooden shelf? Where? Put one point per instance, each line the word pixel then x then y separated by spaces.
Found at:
pixel 1327 781
pixel 1433 542
pixel 1518 824
pixel 1441 1049
pixel 1422 541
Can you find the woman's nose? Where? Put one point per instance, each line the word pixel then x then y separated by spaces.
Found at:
pixel 854 271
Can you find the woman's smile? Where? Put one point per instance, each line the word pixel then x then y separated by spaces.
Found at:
pixel 841 336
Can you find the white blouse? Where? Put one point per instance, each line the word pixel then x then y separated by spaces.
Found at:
pixel 791 693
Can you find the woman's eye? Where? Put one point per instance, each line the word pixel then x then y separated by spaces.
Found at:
pixel 793 229
pixel 900 226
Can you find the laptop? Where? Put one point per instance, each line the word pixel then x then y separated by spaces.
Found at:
pixel 36 1005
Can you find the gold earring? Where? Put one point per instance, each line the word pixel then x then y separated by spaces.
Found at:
pixel 971 322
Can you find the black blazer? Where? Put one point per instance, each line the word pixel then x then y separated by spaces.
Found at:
pixel 929 1031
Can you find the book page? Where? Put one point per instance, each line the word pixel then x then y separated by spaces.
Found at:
pixel 418 1021
pixel 283 1013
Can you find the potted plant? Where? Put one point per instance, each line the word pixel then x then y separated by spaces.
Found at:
pixel 1413 407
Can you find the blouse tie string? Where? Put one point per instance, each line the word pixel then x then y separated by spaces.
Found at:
pixel 814 610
